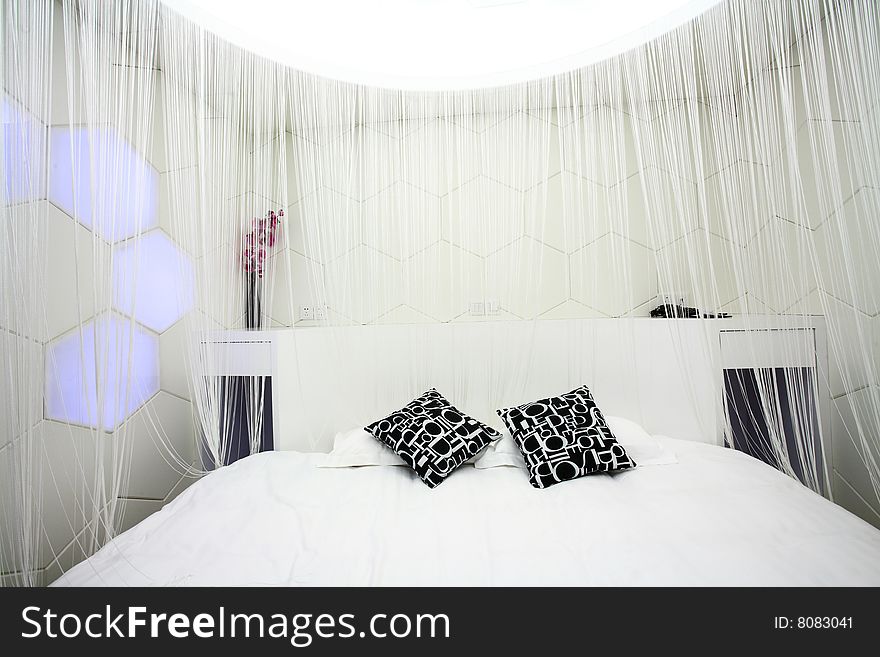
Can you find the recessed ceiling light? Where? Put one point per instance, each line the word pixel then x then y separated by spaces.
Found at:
pixel 430 44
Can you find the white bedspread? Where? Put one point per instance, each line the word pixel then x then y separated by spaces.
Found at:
pixel 718 517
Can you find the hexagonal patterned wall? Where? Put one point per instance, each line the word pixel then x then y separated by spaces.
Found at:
pixel 87 372
pixel 24 153
pixel 152 280
pixel 79 154
pixel 82 344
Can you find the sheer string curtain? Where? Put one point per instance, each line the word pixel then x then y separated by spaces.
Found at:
pixel 26 63
pixel 707 165
pixel 74 120
pixel 731 163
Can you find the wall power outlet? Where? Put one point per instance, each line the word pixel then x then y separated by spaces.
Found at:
pixel 317 312
pixel 477 308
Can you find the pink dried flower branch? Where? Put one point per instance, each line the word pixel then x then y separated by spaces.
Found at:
pixel 263 234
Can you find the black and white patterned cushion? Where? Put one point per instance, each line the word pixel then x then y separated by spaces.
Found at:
pixel 432 436
pixel 564 438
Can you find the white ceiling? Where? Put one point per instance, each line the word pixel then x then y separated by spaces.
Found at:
pixel 438 44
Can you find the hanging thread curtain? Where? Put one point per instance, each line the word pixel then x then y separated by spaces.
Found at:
pixel 731 164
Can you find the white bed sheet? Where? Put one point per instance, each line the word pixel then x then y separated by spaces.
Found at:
pixel 717 517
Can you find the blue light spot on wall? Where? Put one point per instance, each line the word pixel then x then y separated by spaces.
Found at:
pixel 24 154
pixel 102 182
pixel 152 280
pixel 87 372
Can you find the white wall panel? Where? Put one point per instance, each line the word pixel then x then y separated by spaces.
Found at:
pixel 633 282
pixel 164 420
pixel 851 417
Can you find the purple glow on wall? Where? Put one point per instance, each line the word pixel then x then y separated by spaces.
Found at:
pixel 110 364
pixel 152 281
pixel 123 200
pixel 24 154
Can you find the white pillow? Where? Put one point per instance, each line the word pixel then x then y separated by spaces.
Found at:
pixel 501 453
pixel 638 443
pixel 355 448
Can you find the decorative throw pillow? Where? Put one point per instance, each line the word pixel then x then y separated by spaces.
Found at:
pixel 564 438
pixel 432 436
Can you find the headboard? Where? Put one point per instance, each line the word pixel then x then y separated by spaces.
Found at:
pixel 663 374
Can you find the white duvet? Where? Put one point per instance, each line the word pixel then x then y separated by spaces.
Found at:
pixel 717 517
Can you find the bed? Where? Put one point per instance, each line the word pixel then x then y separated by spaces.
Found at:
pixel 715 517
